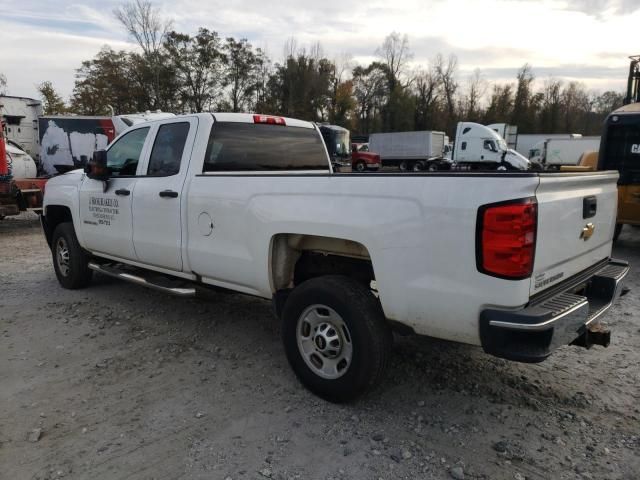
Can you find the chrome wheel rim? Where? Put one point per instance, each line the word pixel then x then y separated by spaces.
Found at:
pixel 360 167
pixel 324 341
pixel 62 256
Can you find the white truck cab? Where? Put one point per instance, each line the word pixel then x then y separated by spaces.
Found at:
pixel 518 263
pixel 477 144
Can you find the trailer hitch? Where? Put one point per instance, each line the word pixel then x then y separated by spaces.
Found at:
pixel 595 334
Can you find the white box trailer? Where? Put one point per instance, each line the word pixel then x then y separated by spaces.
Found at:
pixel 567 151
pixel 506 131
pixel 528 142
pixel 20 116
pixel 406 149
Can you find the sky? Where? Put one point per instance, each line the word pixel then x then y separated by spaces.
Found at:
pixel 584 40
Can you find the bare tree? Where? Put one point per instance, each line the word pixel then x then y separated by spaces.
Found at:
pixel 144 23
pixel 427 91
pixel 290 48
pixel 552 105
pixel 446 71
pixel 395 54
pixel 3 84
pixel 477 87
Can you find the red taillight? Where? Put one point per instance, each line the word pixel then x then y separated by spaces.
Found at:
pixel 268 119
pixel 506 238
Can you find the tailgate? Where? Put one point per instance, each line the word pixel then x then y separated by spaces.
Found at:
pixel 571 236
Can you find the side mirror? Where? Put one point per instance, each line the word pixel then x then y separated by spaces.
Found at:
pixel 96 168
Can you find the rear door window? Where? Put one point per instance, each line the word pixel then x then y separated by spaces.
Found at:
pixel 262 147
pixel 167 149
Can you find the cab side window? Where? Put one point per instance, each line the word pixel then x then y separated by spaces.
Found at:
pixel 124 155
pixel 490 145
pixel 167 149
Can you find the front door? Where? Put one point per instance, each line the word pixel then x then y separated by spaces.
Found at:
pixel 157 199
pixel 105 208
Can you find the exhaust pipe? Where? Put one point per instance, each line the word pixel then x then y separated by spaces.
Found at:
pixel 595 334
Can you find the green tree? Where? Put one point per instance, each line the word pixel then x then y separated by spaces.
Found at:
pixel 108 81
pixel 301 86
pixel 242 73
pixel 52 101
pixel 199 63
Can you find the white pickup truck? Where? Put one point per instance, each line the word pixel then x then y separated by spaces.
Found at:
pixel 517 262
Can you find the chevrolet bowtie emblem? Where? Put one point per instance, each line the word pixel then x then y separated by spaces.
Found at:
pixel 587 231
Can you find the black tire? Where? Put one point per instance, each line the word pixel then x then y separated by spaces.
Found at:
pixel 418 167
pixel 74 273
pixel 403 166
pixel 361 167
pixel 617 231
pixel 369 335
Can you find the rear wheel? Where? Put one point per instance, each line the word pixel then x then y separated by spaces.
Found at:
pixel 70 261
pixel 403 166
pixel 418 167
pixel 335 336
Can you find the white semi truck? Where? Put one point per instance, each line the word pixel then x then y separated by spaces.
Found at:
pixel 20 117
pixel 518 262
pixel 408 150
pixel 480 147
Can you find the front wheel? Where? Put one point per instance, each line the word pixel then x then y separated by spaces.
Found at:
pixel 361 167
pixel 335 336
pixel 69 259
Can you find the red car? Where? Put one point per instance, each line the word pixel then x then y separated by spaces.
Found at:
pixel 363 160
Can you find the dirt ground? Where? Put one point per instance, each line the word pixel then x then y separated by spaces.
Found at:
pixel 120 382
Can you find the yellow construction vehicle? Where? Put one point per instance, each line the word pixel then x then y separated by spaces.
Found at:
pixel 620 150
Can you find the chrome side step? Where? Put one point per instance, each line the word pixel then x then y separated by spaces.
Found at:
pixel 112 271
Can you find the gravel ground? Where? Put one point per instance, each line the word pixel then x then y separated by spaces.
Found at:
pixel 120 382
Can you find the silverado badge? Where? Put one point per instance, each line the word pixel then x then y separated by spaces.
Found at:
pixel 587 231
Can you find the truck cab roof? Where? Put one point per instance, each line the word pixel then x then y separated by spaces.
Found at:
pixel 233 117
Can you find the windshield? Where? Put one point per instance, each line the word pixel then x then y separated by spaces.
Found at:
pixel 341 142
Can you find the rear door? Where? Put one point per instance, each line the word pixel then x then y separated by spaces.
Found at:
pixel 158 200
pixel 576 219
pixel 105 209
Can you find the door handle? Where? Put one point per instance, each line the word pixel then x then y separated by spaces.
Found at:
pixel 123 191
pixel 168 194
